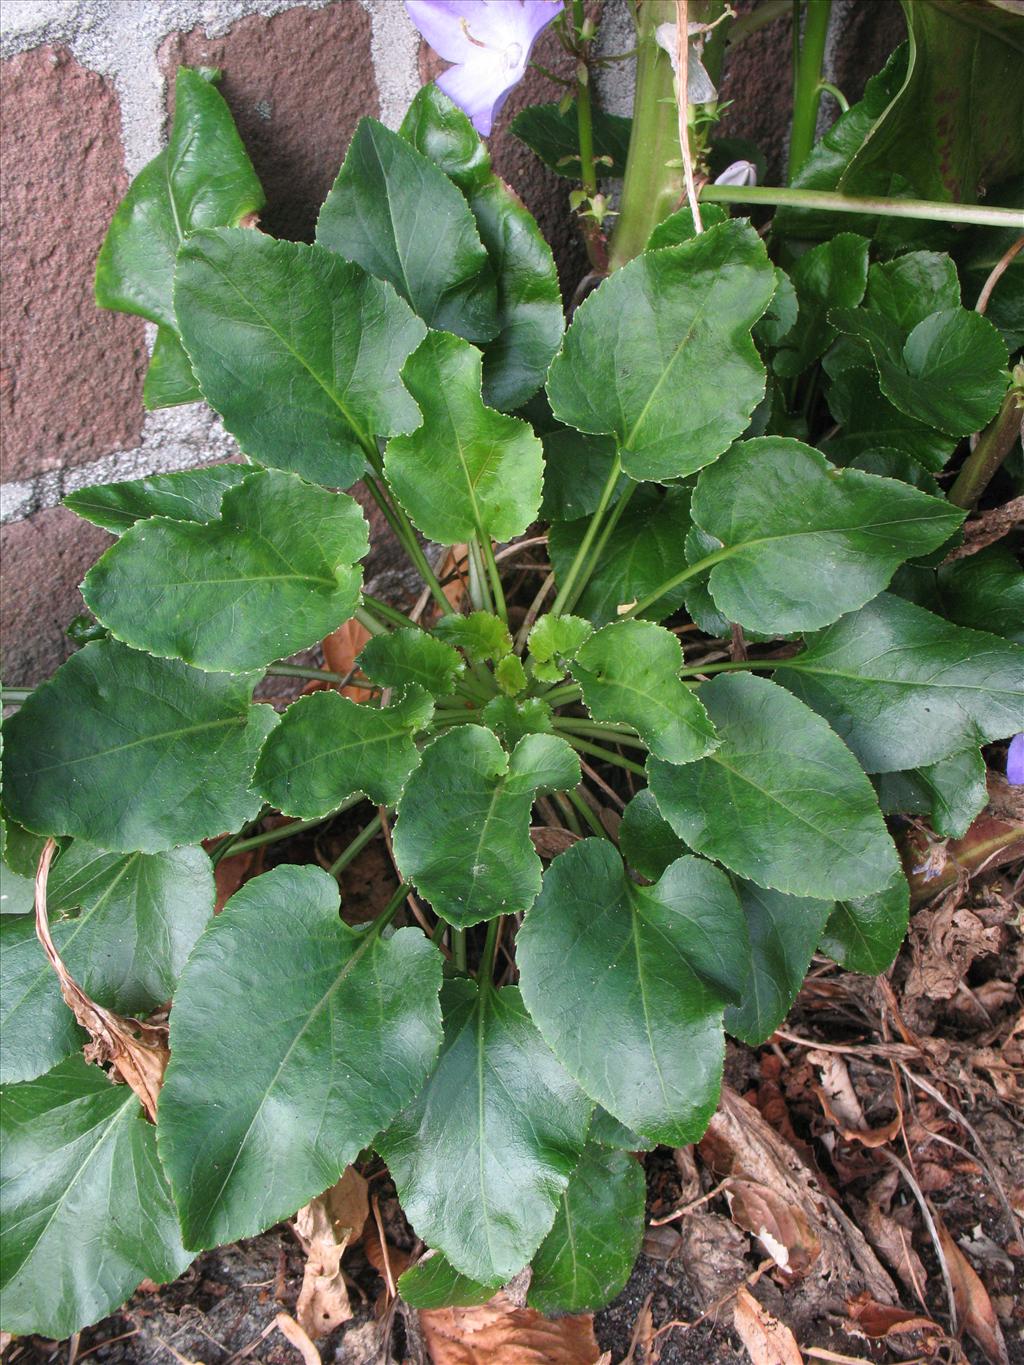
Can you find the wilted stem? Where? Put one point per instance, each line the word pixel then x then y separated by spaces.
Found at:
pixel 831 202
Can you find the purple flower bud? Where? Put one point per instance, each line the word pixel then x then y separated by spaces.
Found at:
pixel 739 173
pixel 1015 761
pixel 489 42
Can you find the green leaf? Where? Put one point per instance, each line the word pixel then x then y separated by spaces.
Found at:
pixel 433 1282
pixel 169 379
pixel 139 917
pixel 339 1028
pixel 865 935
pixel 986 589
pixel 629 672
pixel 134 753
pixel 782 801
pixel 463 831
pixel 299 351
pixel 394 213
pixel 21 852
pixel 468 470
pixel 784 932
pixel 643 551
pixel 273 574
pixel 328 748
pixel 782 313
pixel 576 469
pixel 482 1155
pixel 586 1258
pixel 948 372
pixel 628 983
pixel 513 719
pixel 553 133
pixel 406 657
pixel 530 320
pixel 609 1132
pixel 869 421
pixel 804 542
pixel 86 1209
pixel 832 275
pixel 904 688
pixel 679 227
pixel 669 322
pixel 481 635
pixel 912 287
pixel 192 495
pixel 648 842
pixel 554 642
pixel 510 675
pixel 951 792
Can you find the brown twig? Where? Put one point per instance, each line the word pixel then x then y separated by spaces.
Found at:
pixel 683 102
pixel 388 1277
pixel 996 274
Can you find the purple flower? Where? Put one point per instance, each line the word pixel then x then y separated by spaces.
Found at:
pixel 489 41
pixel 1015 761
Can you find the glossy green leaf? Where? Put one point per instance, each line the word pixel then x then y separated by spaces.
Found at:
pixel 86 1209
pixel 433 1282
pixel 512 719
pixel 463 832
pixel 782 801
pixel 865 935
pixel 339 1028
pixel 530 319
pixel 134 753
pixel 586 1258
pixel 609 1132
pixel 784 932
pixel 648 842
pixel 628 983
pixel 669 322
pixel 832 275
pixel 328 748
pixel 481 634
pixel 781 315
pixel 21 852
pixel 553 133
pixel 468 470
pixel 554 642
pixel 274 573
pixel 950 793
pixel 629 672
pixel 869 421
pixel 510 675
pixel 904 688
pixel 576 469
pixel 138 917
pixel 482 1155
pixel 406 657
pixel 984 589
pixel 679 227
pixel 202 179
pixel 643 551
pixel 398 216
pixel 911 287
pixel 192 495
pixel 804 542
pixel 299 351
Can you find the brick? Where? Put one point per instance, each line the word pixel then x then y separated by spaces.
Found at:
pixel 297 85
pixel 44 560
pixel 71 374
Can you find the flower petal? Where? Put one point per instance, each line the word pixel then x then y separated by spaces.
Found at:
pixel 443 24
pixel 479 88
pixel 738 173
pixel 1015 761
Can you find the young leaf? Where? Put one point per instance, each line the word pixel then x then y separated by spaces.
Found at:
pixel 629 672
pixel 530 319
pixel 272 574
pixel 339 1028
pixel 192 495
pixel 394 213
pixel 804 542
pixel 433 1282
pixel 781 801
pixel 628 984
pixel 669 322
pixel 299 351
pixel 648 842
pixel 328 748
pixel 86 1209
pixel 412 657
pixel 832 275
pixel 481 635
pixel 482 1155
pixel 554 642
pixel 512 719
pixel 904 688
pixel 134 753
pixel 510 675
pixel 553 133
pixel 463 831
pixel 468 470
pixel 586 1258
pixel 950 793
pixel 784 932
pixel 865 935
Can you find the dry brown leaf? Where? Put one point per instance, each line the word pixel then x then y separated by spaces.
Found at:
pixel 892 1242
pixel 325 1226
pixel 973 1305
pixel 886 1321
pixel 944 944
pixel 498 1333
pixel 781 1226
pixel 768 1341
pixel 341 648
pixel 293 1333
pixel 137 1051
pixel 550 841
pixel 838 1099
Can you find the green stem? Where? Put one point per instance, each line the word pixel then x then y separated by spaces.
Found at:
pixel 485 975
pixel 585 747
pixel 558 606
pixel 316 674
pixel 766 13
pixel 356 847
pixel 478 593
pixel 736 667
pixel 831 202
pixel 675 581
pixel 459 948
pixel 386 613
pixel 826 87
pixel 994 444
pixel 491 565
pixel 589 729
pixel 272 836
pixel 406 535
pixel 593 237
pixel 568 814
pixel 562 692
pixel 809 52
pixel 369 622
pixel 588 814
pixel 391 909
pixel 15 696
pixel 594 558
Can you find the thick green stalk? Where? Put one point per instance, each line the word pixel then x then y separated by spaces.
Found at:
pixel 491 565
pixel 357 845
pixel 391 909
pixel 588 815
pixel 272 836
pixel 830 202
pixel 807 79
pixel 594 559
pixel 559 604
pixel 314 674
pixel 994 444
pixel 585 747
pixel 485 974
